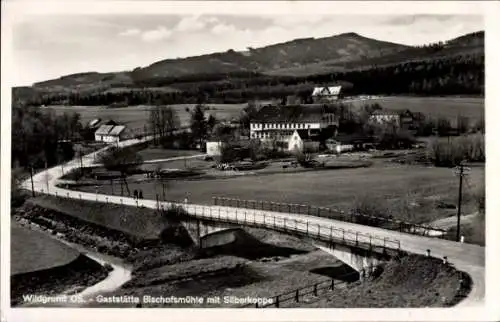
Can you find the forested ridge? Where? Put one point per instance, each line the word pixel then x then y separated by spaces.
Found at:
pixel 452 68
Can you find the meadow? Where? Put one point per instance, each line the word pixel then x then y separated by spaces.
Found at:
pixel 137 116
pixel 385 183
pixel 448 107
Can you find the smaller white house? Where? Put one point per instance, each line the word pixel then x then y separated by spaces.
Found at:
pixel 214 148
pixel 301 141
pixel 112 133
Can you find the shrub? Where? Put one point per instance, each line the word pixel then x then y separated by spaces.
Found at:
pixel 451 152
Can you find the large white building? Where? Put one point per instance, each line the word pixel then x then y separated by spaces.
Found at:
pixel 280 122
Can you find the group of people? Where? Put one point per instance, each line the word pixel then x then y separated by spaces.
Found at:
pixel 138 194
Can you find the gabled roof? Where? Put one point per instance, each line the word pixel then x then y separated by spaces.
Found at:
pixel 307 135
pixel 117 130
pixel 94 122
pixel 325 91
pixel 386 112
pixel 104 129
pixel 292 113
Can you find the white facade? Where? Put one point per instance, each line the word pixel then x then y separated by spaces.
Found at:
pixel 214 148
pixel 267 131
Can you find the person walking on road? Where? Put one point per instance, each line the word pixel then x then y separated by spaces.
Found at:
pixel 135 194
pixel 140 194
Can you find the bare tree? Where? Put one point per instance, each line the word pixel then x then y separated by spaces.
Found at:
pixel 163 120
pixel 121 159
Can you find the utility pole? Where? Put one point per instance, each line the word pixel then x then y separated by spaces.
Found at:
pixel 460 171
pixel 32 184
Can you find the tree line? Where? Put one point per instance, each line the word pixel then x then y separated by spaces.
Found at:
pixel 38 136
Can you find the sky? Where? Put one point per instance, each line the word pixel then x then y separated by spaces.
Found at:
pixel 50 46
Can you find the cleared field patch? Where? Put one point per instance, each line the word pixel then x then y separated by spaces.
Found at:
pixel 137 116
pixel 449 107
pixel 33 251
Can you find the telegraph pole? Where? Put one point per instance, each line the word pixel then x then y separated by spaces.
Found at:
pixel 460 171
pixel 32 184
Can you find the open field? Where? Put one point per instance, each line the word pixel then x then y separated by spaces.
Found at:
pixel 33 251
pixel 423 186
pixel 136 116
pixel 449 107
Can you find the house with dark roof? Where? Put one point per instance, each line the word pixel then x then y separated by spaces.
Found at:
pixel 279 122
pixel 400 118
pixel 326 93
pixel 112 133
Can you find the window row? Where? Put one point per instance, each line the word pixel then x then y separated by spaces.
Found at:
pixel 281 126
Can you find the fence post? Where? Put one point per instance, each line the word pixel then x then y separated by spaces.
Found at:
pixel 284 223
pixel 333 284
pixel 297 296
pixel 289 208
pixel 357 237
pixel 315 289
pixel 307 227
pixel 319 230
pixel 370 236
pixel 331 233
pixel 308 209
pixel 318 211
pixel 296 225
pixel 264 219
pixel 277 301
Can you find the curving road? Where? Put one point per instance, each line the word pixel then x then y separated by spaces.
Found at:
pixel 465 257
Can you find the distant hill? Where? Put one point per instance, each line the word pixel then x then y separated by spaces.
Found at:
pixel 297 58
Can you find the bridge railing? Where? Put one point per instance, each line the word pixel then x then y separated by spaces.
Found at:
pixel 248 217
pixel 337 214
pixel 305 228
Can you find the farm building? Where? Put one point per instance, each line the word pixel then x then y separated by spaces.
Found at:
pixel 279 122
pixel 399 118
pixel 326 94
pixel 112 133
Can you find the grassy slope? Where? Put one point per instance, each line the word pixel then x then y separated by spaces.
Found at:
pixel 141 222
pixel 414 282
pixel 32 251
